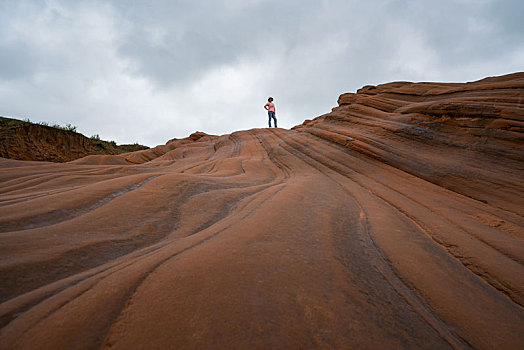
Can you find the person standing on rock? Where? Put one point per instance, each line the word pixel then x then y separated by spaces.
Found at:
pixel 270 107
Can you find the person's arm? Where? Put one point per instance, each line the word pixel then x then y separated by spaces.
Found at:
pixel 266 106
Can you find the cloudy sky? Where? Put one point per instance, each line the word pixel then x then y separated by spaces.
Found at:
pixel 149 71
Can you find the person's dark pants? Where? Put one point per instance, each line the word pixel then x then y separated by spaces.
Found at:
pixel 271 114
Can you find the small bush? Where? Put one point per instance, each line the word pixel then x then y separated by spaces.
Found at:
pixel 67 127
pixel 95 137
pixel 100 144
pixel 70 127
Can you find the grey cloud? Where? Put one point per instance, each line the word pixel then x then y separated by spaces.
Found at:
pixel 201 36
pixel 507 16
pixel 158 69
pixel 18 60
pixel 465 31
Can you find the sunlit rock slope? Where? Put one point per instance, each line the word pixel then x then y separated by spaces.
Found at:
pixel 395 221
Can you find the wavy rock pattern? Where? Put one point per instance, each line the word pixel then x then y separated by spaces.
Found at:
pixel 394 221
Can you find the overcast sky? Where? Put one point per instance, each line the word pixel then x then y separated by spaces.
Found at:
pixel 149 71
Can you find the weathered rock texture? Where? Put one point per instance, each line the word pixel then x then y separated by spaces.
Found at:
pixel 393 222
pixel 28 141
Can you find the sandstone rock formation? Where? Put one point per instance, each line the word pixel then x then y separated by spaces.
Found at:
pixel 395 221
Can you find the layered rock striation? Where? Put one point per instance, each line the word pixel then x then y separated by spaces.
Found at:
pixel 466 137
pixel 395 221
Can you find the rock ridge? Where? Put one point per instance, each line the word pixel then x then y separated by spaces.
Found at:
pixel 395 221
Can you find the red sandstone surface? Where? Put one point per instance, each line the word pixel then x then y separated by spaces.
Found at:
pixel 395 221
